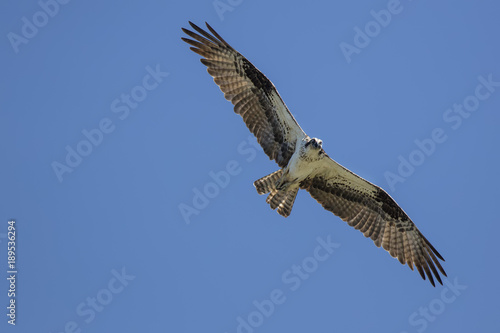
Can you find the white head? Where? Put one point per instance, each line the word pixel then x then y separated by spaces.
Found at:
pixel 312 149
pixel 314 143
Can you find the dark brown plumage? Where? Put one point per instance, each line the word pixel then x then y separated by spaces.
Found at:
pixel 254 97
pixel 379 217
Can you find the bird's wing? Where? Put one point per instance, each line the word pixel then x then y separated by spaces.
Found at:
pixel 371 210
pixel 254 97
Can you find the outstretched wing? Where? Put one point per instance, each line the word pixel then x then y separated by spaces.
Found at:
pixel 371 210
pixel 254 97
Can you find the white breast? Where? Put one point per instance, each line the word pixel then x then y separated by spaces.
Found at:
pixel 301 166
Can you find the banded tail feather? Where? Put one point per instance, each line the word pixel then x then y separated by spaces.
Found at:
pixel 281 199
pixel 268 183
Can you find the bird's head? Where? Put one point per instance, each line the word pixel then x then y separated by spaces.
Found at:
pixel 314 143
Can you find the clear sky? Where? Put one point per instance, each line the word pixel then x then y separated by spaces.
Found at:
pixel 111 128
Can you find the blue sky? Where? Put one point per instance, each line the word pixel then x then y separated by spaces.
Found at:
pixel 110 125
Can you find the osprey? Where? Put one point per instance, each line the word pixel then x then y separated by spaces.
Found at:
pixel 303 162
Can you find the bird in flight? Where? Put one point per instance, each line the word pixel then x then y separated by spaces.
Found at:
pixel 303 162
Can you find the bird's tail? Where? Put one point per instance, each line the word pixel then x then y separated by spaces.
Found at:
pixel 281 199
